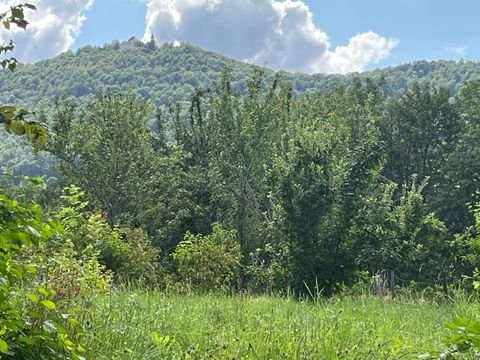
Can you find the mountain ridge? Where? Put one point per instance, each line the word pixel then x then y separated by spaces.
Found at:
pixel 171 72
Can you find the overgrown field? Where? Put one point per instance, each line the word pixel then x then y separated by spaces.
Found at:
pixel 150 325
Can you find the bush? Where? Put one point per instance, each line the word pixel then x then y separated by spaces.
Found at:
pixel 70 274
pixel 31 325
pixel 128 253
pixel 267 270
pixel 144 263
pixel 208 262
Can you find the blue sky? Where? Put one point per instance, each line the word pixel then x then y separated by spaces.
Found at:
pixel 309 36
pixel 109 20
pixel 426 29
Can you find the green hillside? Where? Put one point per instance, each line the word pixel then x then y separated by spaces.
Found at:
pixel 171 72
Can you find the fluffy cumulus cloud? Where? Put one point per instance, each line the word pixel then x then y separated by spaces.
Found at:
pixel 279 34
pixel 53 28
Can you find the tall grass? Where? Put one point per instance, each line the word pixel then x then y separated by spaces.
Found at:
pixel 151 325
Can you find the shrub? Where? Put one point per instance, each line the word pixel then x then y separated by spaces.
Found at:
pixel 267 270
pixel 145 263
pixel 72 275
pixel 31 326
pixel 208 262
pixel 128 253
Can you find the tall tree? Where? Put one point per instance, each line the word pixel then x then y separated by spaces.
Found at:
pixel 419 128
pixel 461 177
pixel 105 149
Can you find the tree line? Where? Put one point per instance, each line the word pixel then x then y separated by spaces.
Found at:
pixel 321 190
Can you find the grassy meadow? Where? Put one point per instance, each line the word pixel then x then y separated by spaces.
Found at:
pixel 151 325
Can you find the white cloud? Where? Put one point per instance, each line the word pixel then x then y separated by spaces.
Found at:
pixel 362 49
pixel 53 28
pixel 279 34
pixel 459 50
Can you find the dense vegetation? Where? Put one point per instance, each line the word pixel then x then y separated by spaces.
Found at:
pixel 255 182
pixel 170 72
pixel 321 191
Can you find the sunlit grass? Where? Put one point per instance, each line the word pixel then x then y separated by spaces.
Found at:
pixel 151 325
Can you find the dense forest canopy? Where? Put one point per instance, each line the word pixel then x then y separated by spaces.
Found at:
pixel 172 72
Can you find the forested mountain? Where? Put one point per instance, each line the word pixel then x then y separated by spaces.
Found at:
pixel 171 72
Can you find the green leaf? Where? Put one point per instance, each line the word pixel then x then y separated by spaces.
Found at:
pixel 397 341
pixel 18 13
pixel 7 127
pixel 460 322
pixel 451 326
pixel 455 339
pixel 33 297
pixel 17 127
pixel 43 291
pixel 30 268
pixel 3 346
pixel 50 305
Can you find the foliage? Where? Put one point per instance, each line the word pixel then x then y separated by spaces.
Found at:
pixel 15 122
pixel 419 127
pixel 128 253
pixel 125 169
pixel 460 173
pixel 13 119
pixel 403 236
pixel 30 325
pixel 208 262
pixel 14 16
pixel 469 242
pixel 72 275
pixel 322 181
pixel 171 72
pixel 107 165
pixel 465 341
pixel 301 180
pixel 267 270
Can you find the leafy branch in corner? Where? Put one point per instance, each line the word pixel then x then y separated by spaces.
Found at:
pixel 15 120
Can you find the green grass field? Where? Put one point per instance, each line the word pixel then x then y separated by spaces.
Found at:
pixel 136 325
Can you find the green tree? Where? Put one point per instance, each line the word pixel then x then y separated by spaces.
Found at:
pixel 332 161
pixel 420 128
pixel 126 170
pixel 460 186
pixel 105 149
